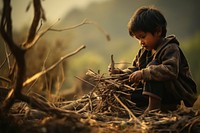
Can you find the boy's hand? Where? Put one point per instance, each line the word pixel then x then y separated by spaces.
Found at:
pixel 135 76
pixel 114 71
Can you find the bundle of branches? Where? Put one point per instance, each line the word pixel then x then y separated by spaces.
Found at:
pixel 110 96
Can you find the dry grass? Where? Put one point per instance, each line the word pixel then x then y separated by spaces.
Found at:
pixel 104 109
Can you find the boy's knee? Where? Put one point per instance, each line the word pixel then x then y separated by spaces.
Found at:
pixel 153 88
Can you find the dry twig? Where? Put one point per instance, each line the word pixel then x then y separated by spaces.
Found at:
pixel 37 75
pixel 85 21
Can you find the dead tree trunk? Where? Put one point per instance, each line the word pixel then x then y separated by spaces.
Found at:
pixel 19 50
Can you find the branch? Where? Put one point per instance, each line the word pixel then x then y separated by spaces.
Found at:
pixel 71 27
pixel 45 106
pixel 5 79
pixel 128 110
pixel 6 59
pixel 28 45
pixel 37 75
pixel 6 27
pixel 6 17
pixel 85 81
pixel 112 65
pixel 85 21
pixel 37 15
pixel 100 29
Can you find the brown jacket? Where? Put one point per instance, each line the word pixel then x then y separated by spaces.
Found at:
pixel 171 68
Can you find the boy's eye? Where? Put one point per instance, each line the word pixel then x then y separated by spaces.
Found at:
pixel 142 36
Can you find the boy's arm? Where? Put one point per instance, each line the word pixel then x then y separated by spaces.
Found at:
pixel 169 67
pixel 130 70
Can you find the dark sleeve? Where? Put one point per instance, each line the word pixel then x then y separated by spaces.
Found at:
pixel 168 68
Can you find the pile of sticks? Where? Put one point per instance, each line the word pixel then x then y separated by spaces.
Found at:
pixel 109 102
pixel 110 95
pixel 107 106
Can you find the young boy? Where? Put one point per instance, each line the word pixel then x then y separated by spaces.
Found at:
pixel 160 65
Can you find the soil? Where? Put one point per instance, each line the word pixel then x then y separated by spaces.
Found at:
pixel 23 119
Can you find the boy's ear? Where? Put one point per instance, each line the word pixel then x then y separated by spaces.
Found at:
pixel 159 31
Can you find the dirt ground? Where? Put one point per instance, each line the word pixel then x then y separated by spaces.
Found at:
pixel 23 119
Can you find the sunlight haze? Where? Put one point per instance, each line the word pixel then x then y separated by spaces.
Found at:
pixel 53 9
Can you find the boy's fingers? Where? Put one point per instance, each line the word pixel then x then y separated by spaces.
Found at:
pixel 131 77
pixel 135 77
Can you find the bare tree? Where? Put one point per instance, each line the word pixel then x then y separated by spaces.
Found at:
pixel 19 50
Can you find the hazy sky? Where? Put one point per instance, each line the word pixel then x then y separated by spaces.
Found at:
pixel 54 9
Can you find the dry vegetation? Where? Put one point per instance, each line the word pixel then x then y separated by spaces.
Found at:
pixel 106 108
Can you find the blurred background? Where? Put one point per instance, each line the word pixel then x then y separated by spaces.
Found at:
pixel 112 15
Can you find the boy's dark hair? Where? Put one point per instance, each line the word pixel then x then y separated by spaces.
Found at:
pixel 147 19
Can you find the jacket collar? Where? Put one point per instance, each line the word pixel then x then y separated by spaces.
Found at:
pixel 166 40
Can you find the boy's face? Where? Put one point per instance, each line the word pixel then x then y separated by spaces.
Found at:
pixel 147 39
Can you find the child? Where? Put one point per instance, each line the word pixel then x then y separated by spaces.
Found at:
pixel 160 65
